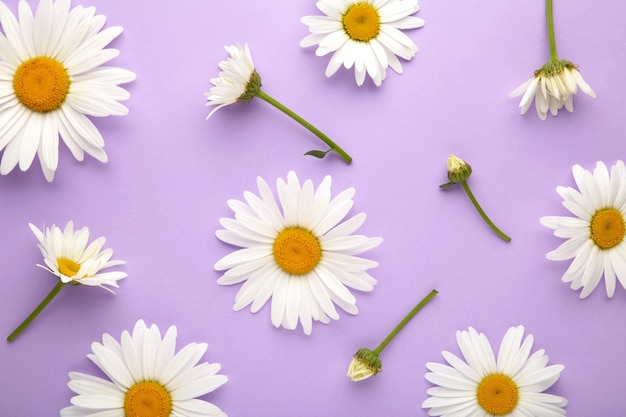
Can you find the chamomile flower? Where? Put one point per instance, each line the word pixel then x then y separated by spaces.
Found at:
pixel 240 82
pixel 51 79
pixel 595 234
pixel 481 384
pixel 364 34
pixel 298 254
pixel 68 257
pixel 553 85
pixel 146 378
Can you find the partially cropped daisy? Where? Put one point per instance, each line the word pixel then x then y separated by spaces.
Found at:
pixel 364 34
pixel 51 79
pixel 553 85
pixel 67 256
pixel 481 384
pixel 298 254
pixel 146 377
pixel 595 234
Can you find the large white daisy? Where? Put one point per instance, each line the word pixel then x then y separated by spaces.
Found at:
pixel 512 384
pixel 366 34
pixel 147 378
pixel 595 235
pixel 67 256
pixel 51 80
pixel 300 254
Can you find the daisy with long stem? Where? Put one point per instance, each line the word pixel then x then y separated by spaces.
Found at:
pixel 366 362
pixel 554 84
pixel 68 257
pixel 240 82
pixel 458 172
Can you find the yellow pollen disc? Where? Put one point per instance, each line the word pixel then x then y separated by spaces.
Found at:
pixel 497 394
pixel 147 399
pixel 361 22
pixel 607 228
pixel 41 84
pixel 67 267
pixel 297 251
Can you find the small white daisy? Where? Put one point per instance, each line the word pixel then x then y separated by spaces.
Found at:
pixel 67 256
pixel 238 81
pixel 552 87
pixel 595 235
pixel 512 384
pixel 51 80
pixel 366 34
pixel 146 378
pixel 300 254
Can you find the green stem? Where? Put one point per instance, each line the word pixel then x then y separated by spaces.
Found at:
pixel 57 288
pixel 550 20
pixel 483 214
pixel 404 321
pixel 333 146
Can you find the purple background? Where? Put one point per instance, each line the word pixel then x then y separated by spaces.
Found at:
pixel 170 173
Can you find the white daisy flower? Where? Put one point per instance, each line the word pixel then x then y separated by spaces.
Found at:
pixel 512 384
pixel 67 256
pixel 552 87
pixel 300 254
pixel 595 234
pixel 237 82
pixel 366 34
pixel 146 378
pixel 51 80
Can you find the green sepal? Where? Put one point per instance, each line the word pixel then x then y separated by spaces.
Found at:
pixel 447 185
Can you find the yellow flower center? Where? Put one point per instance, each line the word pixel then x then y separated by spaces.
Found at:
pixel 67 267
pixel 297 251
pixel 497 394
pixel 41 84
pixel 607 228
pixel 361 22
pixel 147 399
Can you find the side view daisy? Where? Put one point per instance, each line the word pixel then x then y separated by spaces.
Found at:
pixel 240 82
pixel 51 79
pixel 364 34
pixel 481 384
pixel 554 84
pixel 146 378
pixel 68 257
pixel 595 234
pixel 298 254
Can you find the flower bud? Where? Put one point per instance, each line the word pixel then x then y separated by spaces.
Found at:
pixel 364 365
pixel 458 169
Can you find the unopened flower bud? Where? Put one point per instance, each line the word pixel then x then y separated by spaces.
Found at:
pixel 458 169
pixel 364 364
